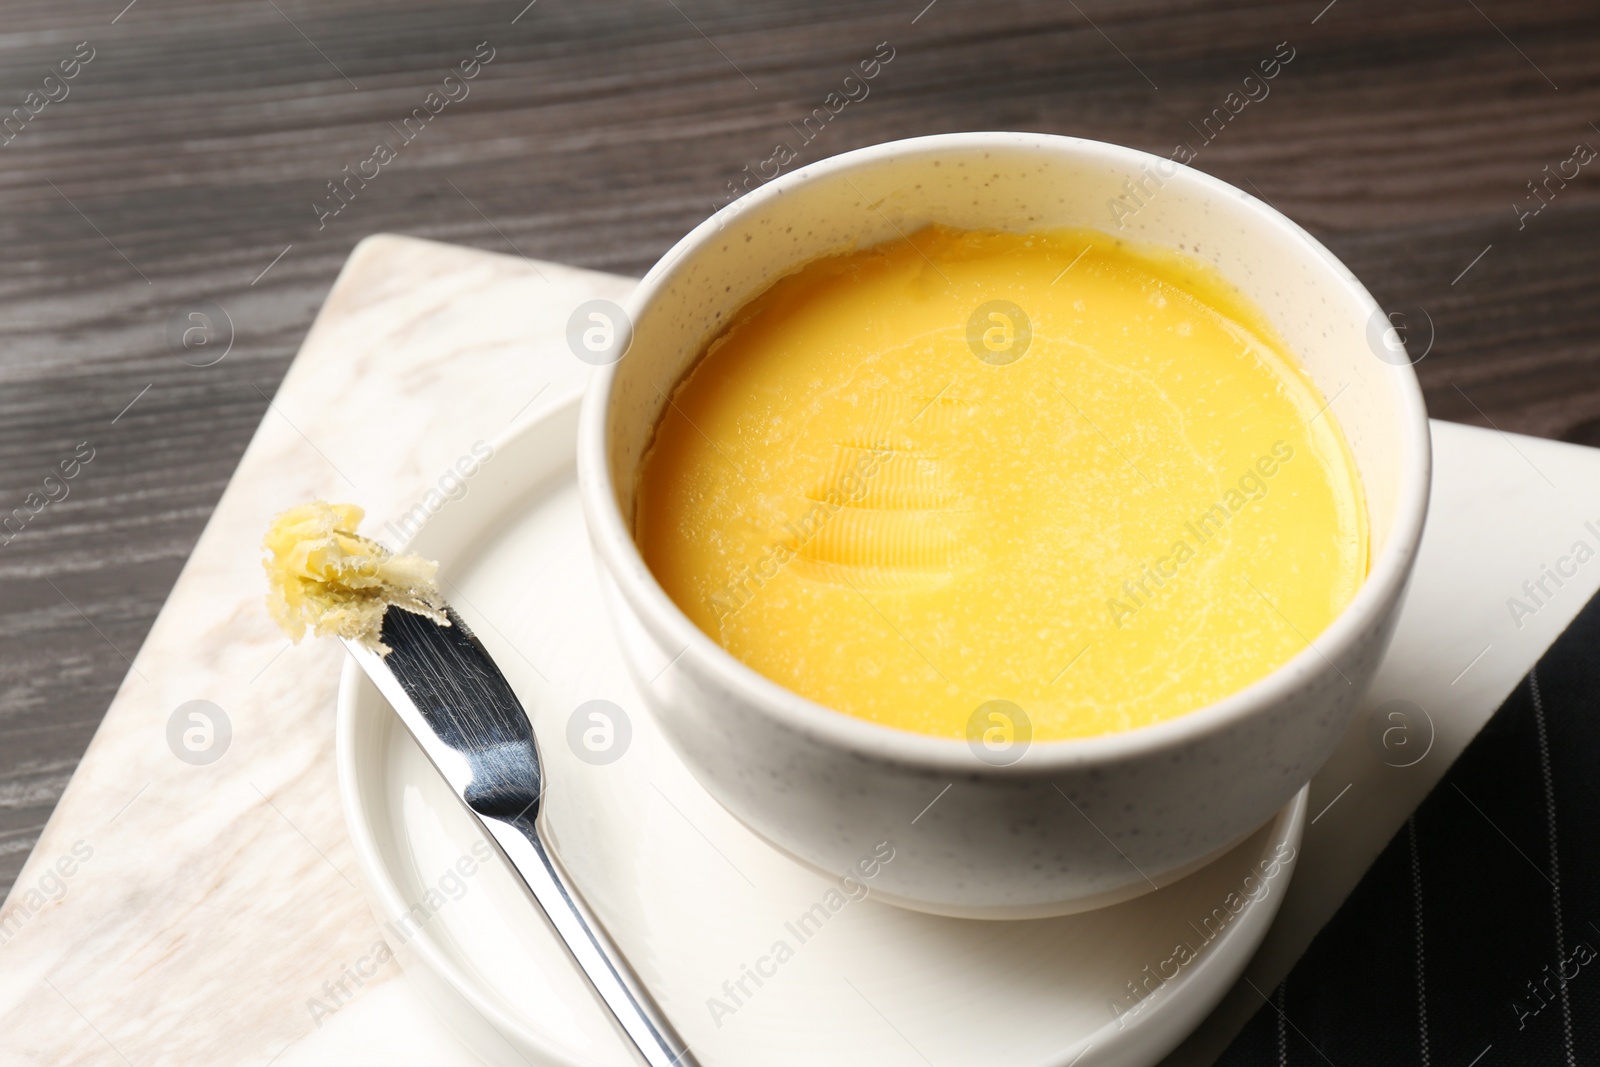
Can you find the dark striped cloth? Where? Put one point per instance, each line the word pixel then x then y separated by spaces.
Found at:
pixel 1475 937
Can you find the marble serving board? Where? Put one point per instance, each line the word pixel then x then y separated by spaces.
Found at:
pixel 194 900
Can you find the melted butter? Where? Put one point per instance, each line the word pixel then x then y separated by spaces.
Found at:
pixel 860 492
pixel 324 576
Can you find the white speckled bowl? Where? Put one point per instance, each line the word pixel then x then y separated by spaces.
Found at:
pixel 1145 805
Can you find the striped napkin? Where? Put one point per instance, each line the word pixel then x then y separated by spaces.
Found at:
pixel 1474 940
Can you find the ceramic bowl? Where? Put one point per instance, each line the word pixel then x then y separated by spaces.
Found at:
pixel 1072 824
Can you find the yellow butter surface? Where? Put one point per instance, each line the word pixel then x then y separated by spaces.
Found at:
pixel 1059 470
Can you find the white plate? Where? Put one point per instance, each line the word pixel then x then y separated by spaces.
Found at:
pixel 695 900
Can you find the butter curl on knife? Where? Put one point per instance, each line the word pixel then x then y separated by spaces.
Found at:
pixel 324 576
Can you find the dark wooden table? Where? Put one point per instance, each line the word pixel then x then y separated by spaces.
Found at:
pixel 178 169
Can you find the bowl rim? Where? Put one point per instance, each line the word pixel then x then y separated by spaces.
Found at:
pixel 1386 577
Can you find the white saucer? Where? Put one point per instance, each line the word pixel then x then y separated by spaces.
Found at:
pixel 696 901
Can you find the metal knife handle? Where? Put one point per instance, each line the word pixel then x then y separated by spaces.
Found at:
pixel 652 1035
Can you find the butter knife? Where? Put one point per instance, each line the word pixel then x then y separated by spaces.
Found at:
pixel 460 709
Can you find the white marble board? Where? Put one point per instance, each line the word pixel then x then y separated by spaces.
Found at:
pixel 176 912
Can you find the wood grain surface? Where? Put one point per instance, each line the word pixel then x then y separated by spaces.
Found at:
pixel 178 169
